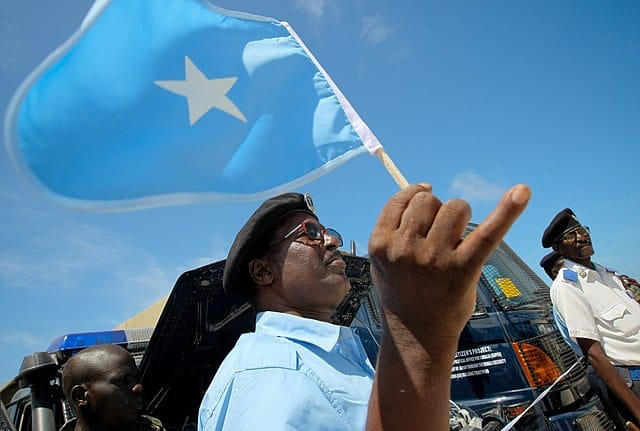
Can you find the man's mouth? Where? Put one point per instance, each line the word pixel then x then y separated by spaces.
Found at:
pixel 584 247
pixel 335 261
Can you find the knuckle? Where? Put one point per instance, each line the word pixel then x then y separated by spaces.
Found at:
pixel 427 199
pixel 458 206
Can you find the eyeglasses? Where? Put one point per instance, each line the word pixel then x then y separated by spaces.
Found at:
pixel 313 231
pixel 572 235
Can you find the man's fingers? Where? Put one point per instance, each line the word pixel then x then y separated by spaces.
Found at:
pixel 479 245
pixel 391 215
pixel 419 214
pixel 428 187
pixel 450 223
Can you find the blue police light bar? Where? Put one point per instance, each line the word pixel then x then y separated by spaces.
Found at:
pixel 78 341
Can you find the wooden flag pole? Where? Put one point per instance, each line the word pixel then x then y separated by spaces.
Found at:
pixel 391 168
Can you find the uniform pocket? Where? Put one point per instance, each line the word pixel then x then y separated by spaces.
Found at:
pixel 613 313
pixel 619 319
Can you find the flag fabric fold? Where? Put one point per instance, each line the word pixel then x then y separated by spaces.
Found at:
pixel 157 102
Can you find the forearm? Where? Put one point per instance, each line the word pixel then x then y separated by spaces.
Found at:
pixel 613 380
pixel 412 385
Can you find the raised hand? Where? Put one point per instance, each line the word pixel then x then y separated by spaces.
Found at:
pixel 424 272
pixel 426 275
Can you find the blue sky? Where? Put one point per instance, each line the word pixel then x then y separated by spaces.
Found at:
pixel 470 96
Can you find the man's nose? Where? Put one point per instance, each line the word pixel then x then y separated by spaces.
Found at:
pixel 582 235
pixel 330 241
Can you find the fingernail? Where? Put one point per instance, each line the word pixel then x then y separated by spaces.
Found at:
pixel 426 186
pixel 520 194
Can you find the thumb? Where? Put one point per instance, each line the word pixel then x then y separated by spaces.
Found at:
pixel 480 243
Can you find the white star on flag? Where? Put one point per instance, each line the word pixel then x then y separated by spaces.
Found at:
pixel 202 93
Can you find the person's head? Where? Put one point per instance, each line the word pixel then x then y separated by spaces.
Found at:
pixel 100 382
pixel 556 268
pixel 551 263
pixel 287 261
pixel 568 237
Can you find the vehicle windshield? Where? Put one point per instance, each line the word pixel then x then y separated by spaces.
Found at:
pixel 512 283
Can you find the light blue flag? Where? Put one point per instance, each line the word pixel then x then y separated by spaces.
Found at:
pixel 156 102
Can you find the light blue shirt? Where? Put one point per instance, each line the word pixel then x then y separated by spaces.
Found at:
pixel 292 373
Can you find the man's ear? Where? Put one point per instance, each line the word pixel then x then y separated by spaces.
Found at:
pixel 557 247
pixel 261 272
pixel 79 395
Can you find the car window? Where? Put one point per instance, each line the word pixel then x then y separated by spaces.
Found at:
pixel 512 283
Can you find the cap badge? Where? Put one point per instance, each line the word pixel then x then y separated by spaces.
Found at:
pixel 309 202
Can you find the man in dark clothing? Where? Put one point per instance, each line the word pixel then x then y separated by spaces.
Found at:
pixel 100 383
pixel 551 263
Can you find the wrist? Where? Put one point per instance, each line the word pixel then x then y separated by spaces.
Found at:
pixel 421 347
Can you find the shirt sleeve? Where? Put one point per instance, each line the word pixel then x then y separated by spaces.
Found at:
pixel 272 399
pixel 574 310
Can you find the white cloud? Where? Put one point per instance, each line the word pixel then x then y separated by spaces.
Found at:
pixel 314 7
pixel 375 29
pixel 23 340
pixel 218 249
pixel 66 256
pixel 472 187
pixel 83 263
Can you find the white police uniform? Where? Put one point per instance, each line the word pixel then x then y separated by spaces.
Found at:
pixel 594 305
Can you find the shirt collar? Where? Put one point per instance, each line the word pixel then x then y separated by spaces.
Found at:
pixel 570 264
pixel 322 334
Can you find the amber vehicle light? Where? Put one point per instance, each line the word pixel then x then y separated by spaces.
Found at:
pixel 512 411
pixel 539 369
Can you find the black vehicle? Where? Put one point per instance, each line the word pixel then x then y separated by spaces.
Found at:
pixel 509 352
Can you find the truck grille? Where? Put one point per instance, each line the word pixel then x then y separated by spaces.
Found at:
pixel 544 358
pixel 594 420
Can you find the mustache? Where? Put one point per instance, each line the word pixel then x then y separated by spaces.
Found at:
pixel 331 256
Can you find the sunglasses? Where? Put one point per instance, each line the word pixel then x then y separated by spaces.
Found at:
pixel 313 231
pixel 572 235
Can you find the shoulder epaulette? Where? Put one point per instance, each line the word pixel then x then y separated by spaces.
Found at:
pixel 610 270
pixel 570 275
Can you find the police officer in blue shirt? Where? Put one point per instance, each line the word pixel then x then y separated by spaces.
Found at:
pixel 297 370
pixel 599 314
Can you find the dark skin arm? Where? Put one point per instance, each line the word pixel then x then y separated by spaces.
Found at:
pixel 628 281
pixel 592 350
pixel 426 278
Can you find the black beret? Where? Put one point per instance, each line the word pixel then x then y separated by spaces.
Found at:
pixel 561 223
pixel 254 232
pixel 549 260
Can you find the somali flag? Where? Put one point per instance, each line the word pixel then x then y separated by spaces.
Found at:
pixel 157 102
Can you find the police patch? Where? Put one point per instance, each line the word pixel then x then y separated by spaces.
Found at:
pixel 570 275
